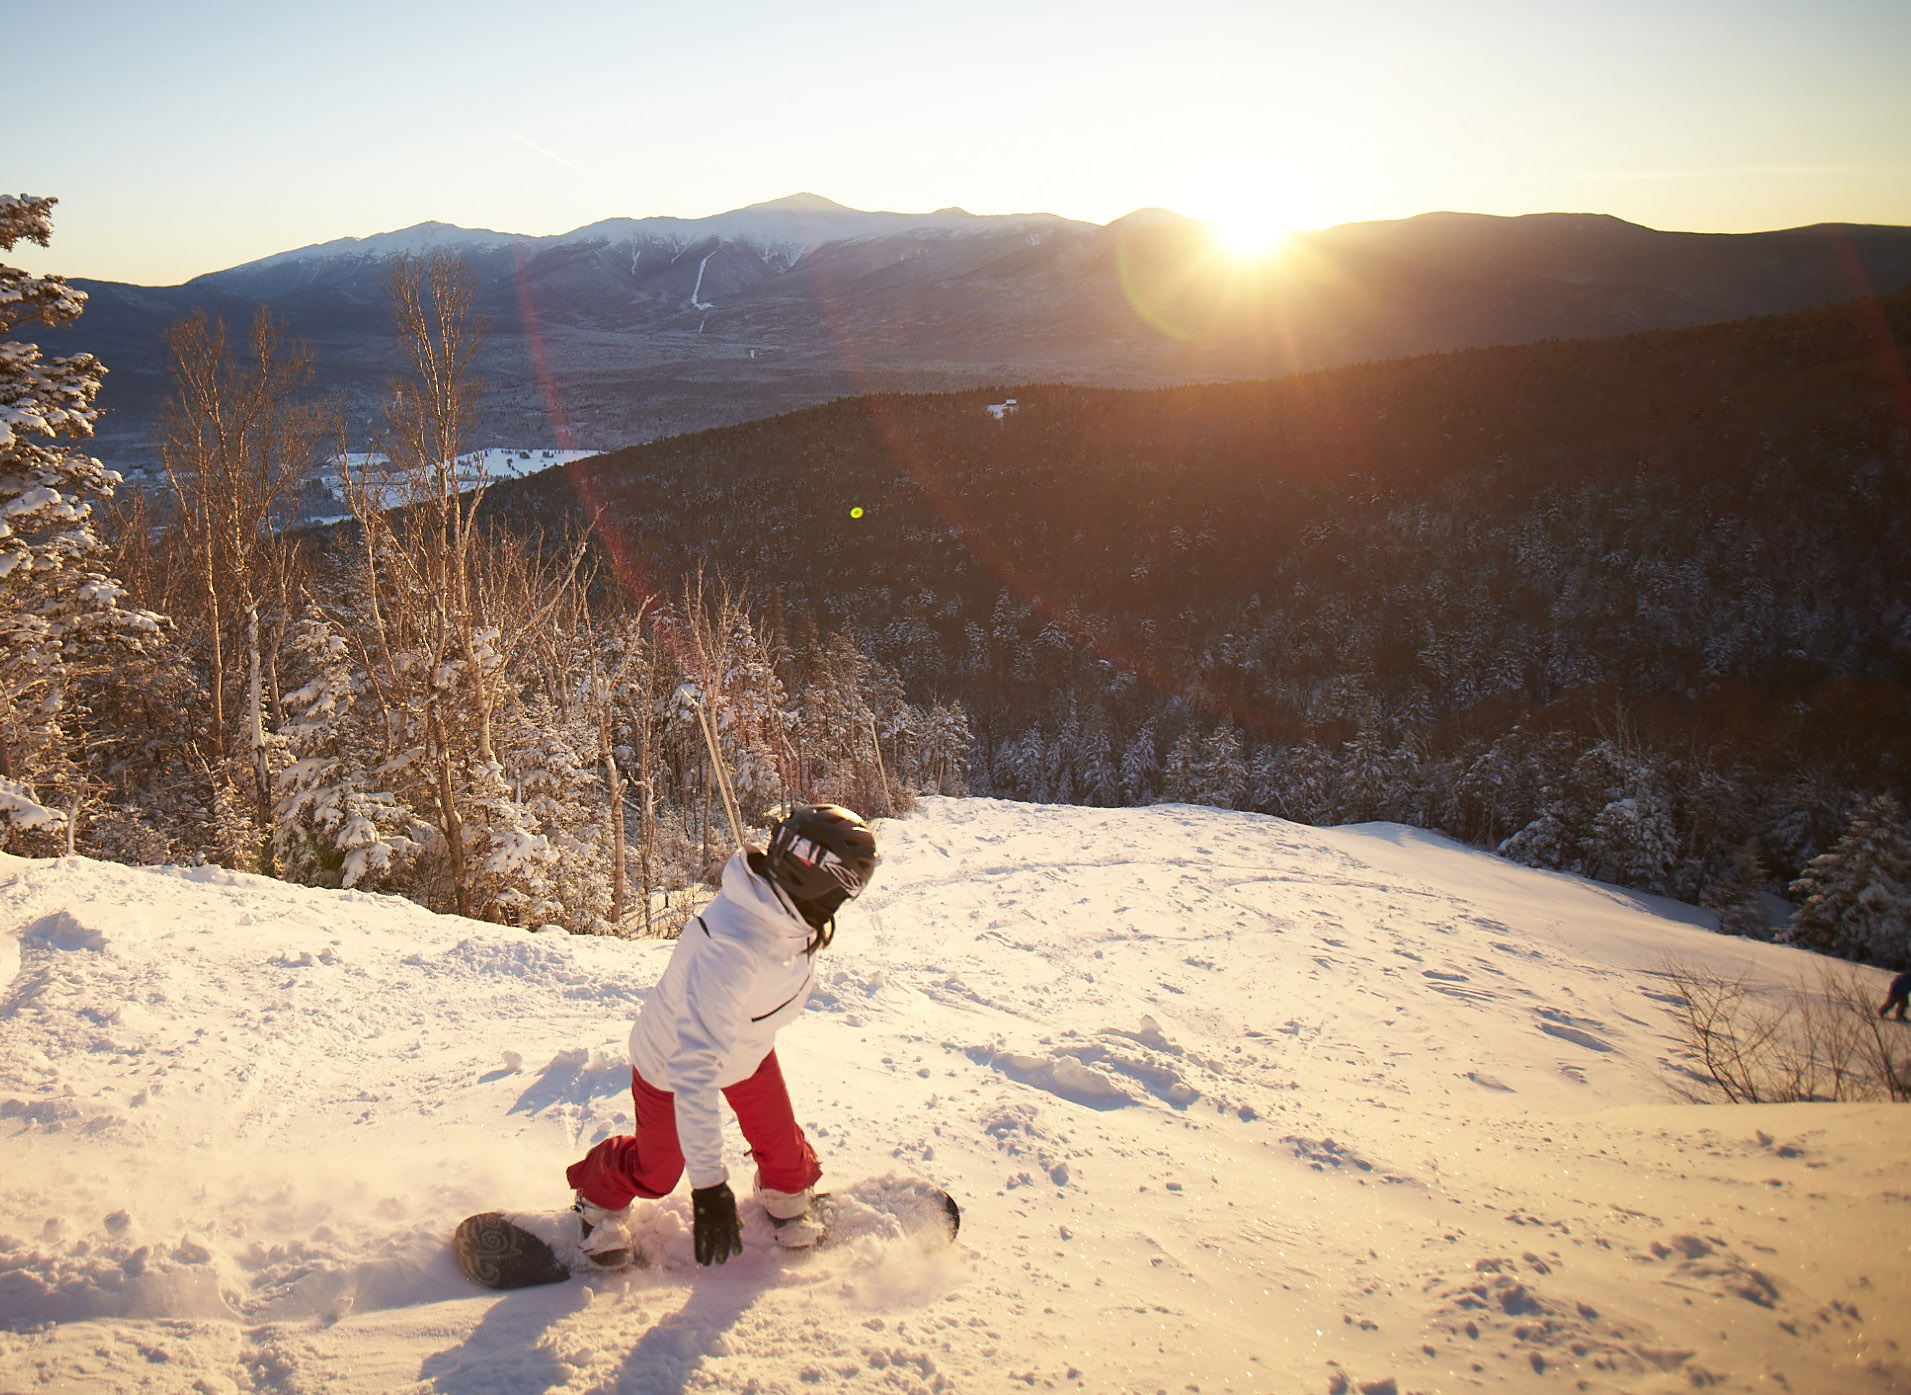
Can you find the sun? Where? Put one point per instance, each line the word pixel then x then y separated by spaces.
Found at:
pixel 1251 234
pixel 1250 223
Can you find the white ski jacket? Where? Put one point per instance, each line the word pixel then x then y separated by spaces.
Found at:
pixel 738 974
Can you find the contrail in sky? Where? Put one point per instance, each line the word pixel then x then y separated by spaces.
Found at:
pixel 553 154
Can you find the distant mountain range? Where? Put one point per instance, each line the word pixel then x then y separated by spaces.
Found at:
pixel 632 329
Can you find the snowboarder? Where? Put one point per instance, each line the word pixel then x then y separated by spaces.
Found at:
pixel 1899 996
pixel 740 971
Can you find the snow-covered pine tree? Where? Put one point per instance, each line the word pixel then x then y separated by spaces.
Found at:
pixel 1181 771
pixel 1497 793
pixel 1099 780
pixel 1634 842
pixel 58 608
pixel 947 746
pixel 834 723
pixel 898 728
pixel 1610 819
pixel 549 860
pixel 1304 783
pixel 1221 774
pixel 1023 766
pixel 1367 787
pixel 1737 897
pixel 1855 901
pixel 752 714
pixel 336 822
pixel 1141 768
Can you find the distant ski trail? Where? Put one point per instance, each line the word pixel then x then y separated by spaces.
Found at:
pixel 696 290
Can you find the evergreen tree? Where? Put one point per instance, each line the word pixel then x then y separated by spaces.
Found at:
pixel 1181 771
pixel 1369 787
pixel 57 604
pixel 1221 772
pixel 1141 768
pixel 1610 818
pixel 338 821
pixel 1856 899
pixel 1100 781
pixel 1737 897
pixel 751 711
pixel 1302 780
pixel 947 746
pixel 547 858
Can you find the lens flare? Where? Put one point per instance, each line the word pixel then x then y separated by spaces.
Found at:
pixel 1152 283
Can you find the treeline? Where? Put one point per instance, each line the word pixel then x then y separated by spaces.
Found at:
pixel 418 701
pixel 1632 608
pixel 1635 608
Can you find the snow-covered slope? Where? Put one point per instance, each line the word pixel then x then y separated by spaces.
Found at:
pixel 1232 1105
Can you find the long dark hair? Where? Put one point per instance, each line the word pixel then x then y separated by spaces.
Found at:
pixel 822 927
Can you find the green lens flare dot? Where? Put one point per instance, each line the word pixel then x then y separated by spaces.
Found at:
pixel 856 512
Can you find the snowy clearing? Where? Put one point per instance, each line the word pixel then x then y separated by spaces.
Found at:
pixel 1230 1103
pixel 327 505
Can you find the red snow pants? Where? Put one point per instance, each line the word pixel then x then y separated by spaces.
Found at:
pixel 649 1162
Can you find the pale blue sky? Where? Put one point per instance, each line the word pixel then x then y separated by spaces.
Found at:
pixel 185 137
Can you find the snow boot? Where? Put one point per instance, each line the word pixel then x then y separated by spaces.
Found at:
pixel 604 1235
pixel 793 1225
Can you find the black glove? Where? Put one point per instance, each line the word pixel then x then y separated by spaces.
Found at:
pixel 713 1213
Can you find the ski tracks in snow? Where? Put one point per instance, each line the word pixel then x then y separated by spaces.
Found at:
pixel 1228 1103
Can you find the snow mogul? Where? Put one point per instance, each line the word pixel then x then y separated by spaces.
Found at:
pixel 739 973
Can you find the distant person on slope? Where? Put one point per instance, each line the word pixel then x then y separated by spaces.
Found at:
pixel 740 971
pixel 1899 997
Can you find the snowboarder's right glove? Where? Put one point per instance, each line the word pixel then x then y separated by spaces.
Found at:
pixel 714 1221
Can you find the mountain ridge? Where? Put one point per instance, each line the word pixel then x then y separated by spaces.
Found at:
pixel 622 332
pixel 840 221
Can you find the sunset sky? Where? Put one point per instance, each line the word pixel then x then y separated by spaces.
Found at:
pixel 187 137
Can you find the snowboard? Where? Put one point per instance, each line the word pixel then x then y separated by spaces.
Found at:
pixel 522 1249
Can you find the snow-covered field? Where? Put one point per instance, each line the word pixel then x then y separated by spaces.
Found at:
pixel 473 469
pixel 1232 1104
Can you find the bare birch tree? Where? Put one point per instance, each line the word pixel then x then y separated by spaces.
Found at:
pixel 236 446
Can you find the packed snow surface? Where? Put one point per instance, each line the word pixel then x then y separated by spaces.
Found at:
pixel 1230 1103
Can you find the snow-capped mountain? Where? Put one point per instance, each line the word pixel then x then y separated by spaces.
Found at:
pixel 785 230
pixel 421 239
pixel 633 328
pixel 780 231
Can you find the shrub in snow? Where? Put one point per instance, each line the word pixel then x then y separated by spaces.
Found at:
pixel 19 808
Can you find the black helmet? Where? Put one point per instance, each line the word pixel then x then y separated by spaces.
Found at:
pixel 821 855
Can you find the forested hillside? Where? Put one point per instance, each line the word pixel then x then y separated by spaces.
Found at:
pixel 1633 607
pixel 420 702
